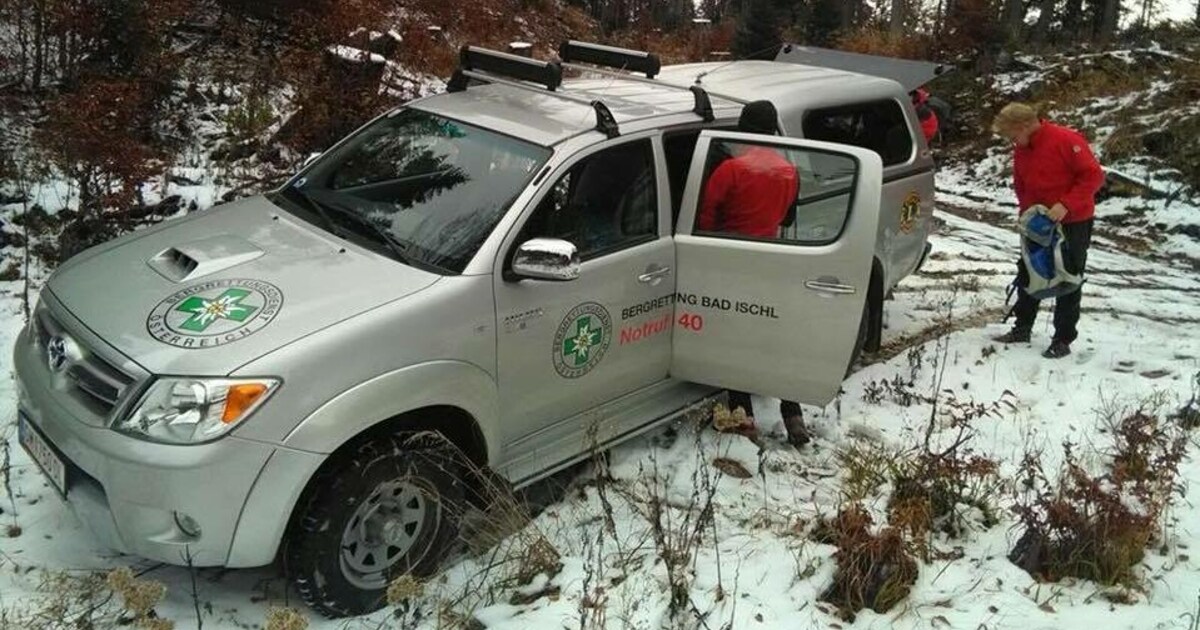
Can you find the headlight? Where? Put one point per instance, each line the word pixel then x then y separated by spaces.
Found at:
pixel 190 411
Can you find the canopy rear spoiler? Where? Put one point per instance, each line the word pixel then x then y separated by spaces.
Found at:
pixel 908 73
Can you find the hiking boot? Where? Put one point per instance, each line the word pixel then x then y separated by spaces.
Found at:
pixel 1057 350
pixel 797 433
pixel 1016 335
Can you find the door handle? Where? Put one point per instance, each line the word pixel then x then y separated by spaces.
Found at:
pixel 654 275
pixel 830 286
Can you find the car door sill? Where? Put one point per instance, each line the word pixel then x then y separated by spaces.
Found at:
pixel 699 403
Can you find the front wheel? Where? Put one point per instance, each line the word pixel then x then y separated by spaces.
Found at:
pixel 391 507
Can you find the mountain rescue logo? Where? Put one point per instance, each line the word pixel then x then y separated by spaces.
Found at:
pixel 214 313
pixel 582 340
pixel 910 211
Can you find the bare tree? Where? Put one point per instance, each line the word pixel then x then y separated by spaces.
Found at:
pixel 1013 17
pixel 1110 14
pixel 899 18
pixel 1149 9
pixel 1041 29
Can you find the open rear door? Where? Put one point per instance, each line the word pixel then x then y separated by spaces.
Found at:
pixel 907 72
pixel 774 315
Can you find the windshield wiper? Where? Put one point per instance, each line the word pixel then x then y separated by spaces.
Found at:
pixel 318 209
pixel 395 246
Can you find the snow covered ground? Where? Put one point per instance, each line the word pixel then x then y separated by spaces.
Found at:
pixel 756 567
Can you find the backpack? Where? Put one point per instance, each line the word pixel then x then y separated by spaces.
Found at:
pixel 944 111
pixel 1043 250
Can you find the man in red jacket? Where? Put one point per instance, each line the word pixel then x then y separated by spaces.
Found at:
pixel 752 194
pixel 925 113
pixel 1053 167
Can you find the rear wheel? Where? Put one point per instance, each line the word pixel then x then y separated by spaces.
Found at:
pixel 391 507
pixel 864 332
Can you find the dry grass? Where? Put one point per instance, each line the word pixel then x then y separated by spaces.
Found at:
pixel 285 619
pixel 874 570
pixel 1097 526
pixel 91 599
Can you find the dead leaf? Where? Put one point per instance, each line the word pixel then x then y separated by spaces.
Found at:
pixel 1154 374
pixel 732 467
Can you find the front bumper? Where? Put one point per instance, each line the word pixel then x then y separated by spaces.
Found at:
pixel 128 491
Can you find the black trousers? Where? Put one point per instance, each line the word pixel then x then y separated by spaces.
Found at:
pixel 1066 307
pixel 742 399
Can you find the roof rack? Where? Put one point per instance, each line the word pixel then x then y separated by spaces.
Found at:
pixel 574 51
pixel 472 59
pixel 482 65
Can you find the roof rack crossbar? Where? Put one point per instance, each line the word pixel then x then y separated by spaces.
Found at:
pixel 574 51
pixel 703 103
pixel 487 77
pixel 606 123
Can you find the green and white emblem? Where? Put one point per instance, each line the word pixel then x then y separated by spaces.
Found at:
pixel 582 339
pixel 215 313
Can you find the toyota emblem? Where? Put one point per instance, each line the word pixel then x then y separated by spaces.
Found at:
pixel 60 353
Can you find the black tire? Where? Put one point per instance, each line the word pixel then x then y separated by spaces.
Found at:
pixel 864 331
pixel 384 476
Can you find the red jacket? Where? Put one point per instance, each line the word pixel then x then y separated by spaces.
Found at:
pixel 929 125
pixel 749 194
pixel 1057 167
pixel 925 113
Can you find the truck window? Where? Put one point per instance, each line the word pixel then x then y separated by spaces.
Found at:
pixel 679 147
pixel 605 202
pixel 760 192
pixel 878 125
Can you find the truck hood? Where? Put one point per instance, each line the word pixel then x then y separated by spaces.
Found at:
pixel 209 293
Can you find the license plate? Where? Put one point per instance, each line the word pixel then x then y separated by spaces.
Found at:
pixel 41 453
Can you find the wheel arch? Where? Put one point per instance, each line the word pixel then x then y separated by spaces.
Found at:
pixel 467 419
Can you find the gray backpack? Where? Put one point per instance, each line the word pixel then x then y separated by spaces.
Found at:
pixel 1043 250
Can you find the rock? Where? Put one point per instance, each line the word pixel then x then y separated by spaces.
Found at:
pixel 11 198
pixel 182 180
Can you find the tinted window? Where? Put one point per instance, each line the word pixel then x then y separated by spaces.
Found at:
pixel 605 202
pixel 879 126
pixel 424 189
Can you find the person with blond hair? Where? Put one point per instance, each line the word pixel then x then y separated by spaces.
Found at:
pixel 1054 167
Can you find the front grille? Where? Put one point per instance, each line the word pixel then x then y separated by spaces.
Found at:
pixel 93 382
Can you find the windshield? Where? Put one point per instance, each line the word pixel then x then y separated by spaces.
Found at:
pixel 422 189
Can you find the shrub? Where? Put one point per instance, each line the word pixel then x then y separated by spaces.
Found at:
pixel 874 570
pixel 1097 526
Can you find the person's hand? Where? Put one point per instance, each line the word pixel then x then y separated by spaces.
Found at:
pixel 1057 212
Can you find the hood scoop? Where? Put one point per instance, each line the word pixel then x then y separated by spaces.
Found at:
pixel 204 257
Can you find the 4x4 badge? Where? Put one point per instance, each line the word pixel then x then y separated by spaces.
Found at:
pixel 582 340
pixel 214 313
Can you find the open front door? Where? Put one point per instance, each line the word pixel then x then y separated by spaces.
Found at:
pixel 764 310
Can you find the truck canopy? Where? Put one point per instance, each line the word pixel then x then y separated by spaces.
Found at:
pixel 908 73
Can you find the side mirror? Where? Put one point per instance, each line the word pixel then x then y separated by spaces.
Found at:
pixel 547 259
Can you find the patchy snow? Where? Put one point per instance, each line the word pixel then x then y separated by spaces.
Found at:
pixel 350 53
pixel 756 568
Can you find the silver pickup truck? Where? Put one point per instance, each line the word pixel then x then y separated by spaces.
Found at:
pixel 513 266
